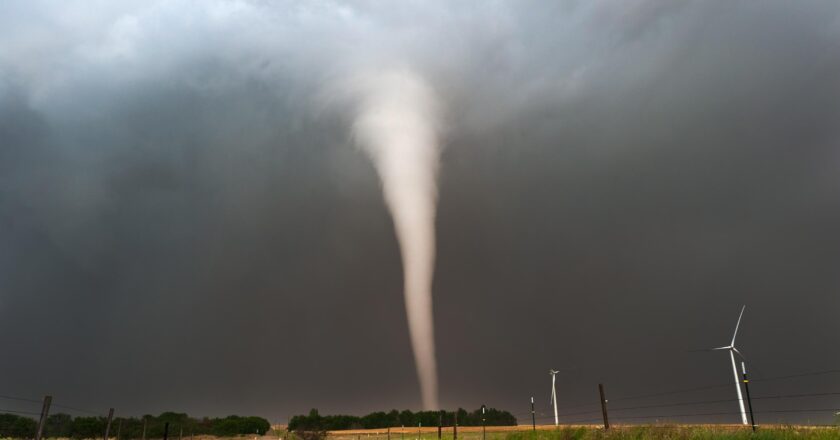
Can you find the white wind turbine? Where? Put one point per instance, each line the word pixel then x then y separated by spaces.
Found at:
pixel 553 374
pixel 732 350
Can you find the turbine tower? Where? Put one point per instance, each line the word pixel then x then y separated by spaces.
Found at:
pixel 732 350
pixel 553 374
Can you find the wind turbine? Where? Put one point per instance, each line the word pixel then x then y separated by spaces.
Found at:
pixel 553 374
pixel 732 350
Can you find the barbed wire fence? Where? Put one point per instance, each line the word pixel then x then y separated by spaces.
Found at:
pixel 581 415
pixel 597 412
pixel 47 404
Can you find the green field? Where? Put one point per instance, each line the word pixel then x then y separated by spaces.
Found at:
pixel 680 433
pixel 657 432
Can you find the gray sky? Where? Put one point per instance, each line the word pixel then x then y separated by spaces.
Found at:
pixel 185 223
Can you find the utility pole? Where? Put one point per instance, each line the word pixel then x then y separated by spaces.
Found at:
pixel 747 389
pixel 533 415
pixel 389 433
pixel 145 420
pixel 45 412
pixel 440 424
pixel 108 425
pixel 604 406
pixel 166 431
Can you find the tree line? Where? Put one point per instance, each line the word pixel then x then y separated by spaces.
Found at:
pixel 316 422
pixel 66 426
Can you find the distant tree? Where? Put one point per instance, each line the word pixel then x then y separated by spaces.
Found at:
pixel 64 426
pixel 406 418
pixel 15 426
pixel 308 427
pixel 463 417
pixel 235 425
pixel 377 420
pixel 88 427
pixel 307 422
pixel 394 418
pixel 59 425
pixel 172 417
pixel 257 425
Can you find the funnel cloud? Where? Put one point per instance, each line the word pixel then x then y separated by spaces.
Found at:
pixel 397 124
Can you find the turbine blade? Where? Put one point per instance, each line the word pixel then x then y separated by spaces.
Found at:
pixel 738 325
pixel 721 348
pixel 739 353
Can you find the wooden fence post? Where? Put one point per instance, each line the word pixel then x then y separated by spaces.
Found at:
pixel 108 424
pixel 604 406
pixel 455 427
pixel 45 412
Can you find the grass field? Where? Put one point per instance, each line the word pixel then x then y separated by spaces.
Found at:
pixel 589 432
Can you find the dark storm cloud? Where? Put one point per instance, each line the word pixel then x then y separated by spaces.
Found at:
pixel 185 225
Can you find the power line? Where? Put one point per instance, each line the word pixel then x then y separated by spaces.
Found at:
pixel 78 409
pixel 791 396
pixel 799 410
pixel 21 399
pixel 709 387
pixel 813 410
pixel 27 399
pixel 665 393
pixel 577 406
pixel 19 412
pixel 543 416
pixel 704 402
pixel 815 373
pixel 699 402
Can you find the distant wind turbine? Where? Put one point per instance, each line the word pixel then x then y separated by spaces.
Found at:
pixel 553 374
pixel 732 350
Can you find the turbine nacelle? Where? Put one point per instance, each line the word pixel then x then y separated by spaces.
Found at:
pixel 730 348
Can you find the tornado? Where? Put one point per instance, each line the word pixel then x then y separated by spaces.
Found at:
pixel 397 123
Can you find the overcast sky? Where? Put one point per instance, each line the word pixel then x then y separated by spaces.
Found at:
pixel 186 223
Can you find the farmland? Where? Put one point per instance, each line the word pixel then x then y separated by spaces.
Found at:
pixel 595 432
